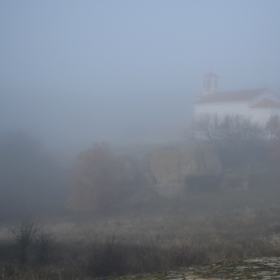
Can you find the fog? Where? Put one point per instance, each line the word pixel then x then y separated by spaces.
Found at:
pixel 75 72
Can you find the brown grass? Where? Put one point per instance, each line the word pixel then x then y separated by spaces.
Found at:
pixel 160 234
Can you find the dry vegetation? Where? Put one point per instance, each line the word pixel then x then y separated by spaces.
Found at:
pixel 141 231
pixel 158 234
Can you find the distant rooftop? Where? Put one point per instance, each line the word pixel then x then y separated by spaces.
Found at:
pixel 267 103
pixel 232 96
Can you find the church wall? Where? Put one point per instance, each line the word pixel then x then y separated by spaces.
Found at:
pixel 221 109
pixel 262 115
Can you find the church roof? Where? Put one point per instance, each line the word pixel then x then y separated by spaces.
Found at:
pixel 231 96
pixel 210 75
pixel 266 103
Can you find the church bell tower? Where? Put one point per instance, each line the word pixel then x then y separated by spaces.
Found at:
pixel 210 84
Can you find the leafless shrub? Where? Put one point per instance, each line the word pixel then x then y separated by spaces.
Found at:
pixel 43 245
pixel 32 242
pixel 207 127
pixel 237 138
pixel 273 127
pixel 24 235
pixel 107 257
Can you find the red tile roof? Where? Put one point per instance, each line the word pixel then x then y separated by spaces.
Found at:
pixel 231 96
pixel 267 103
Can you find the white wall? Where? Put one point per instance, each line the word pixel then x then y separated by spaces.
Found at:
pixel 260 115
pixel 221 109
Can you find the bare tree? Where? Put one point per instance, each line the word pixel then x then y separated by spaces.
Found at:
pixel 241 132
pixel 25 235
pixel 273 127
pixel 207 127
pixel 237 138
pixel 273 130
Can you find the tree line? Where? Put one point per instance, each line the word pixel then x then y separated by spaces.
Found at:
pixel 238 139
pixel 32 181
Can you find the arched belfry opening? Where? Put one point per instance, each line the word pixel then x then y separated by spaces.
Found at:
pixel 210 84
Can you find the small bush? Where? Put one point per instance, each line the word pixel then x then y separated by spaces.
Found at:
pixel 24 235
pixel 31 242
pixel 44 244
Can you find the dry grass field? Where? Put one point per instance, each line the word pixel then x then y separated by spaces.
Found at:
pixel 146 232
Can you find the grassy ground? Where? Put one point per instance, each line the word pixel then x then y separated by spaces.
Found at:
pixel 152 233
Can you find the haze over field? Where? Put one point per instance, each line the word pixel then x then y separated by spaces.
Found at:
pixel 97 176
pixel 75 72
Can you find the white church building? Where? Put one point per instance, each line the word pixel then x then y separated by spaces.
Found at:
pixel 258 104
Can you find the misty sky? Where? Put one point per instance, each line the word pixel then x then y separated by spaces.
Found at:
pixel 74 72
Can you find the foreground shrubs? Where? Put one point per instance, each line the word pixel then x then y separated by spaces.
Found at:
pixel 133 259
pixel 107 253
pixel 30 241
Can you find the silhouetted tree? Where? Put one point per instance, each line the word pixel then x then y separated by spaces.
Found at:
pixel 24 236
pixel 207 127
pixel 237 138
pixel 97 179
pixel 273 127
pixel 31 240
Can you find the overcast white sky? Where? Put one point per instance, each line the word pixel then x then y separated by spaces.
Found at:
pixel 74 72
